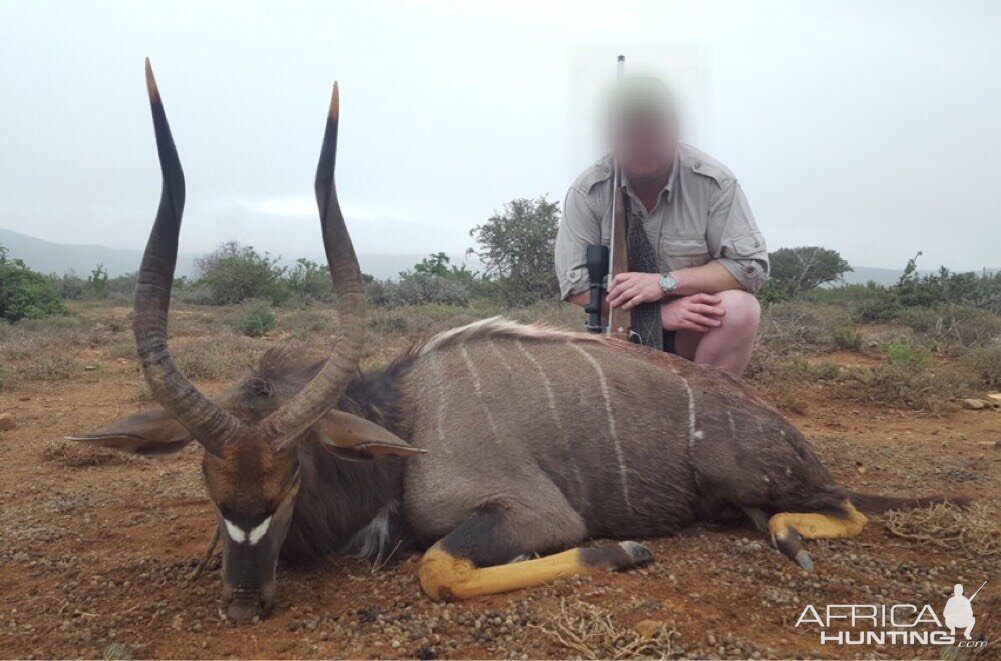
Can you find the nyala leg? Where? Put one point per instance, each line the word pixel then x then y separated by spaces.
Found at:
pixel 475 558
pixel 788 529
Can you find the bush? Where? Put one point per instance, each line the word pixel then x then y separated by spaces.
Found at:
pixel 985 364
pixel 847 339
pixel 25 294
pixel 795 326
pixel 902 351
pixel 433 281
pixel 959 325
pixel 258 321
pixel 232 273
pixel 517 248
pixel 796 270
pixel 309 281
pixel 914 386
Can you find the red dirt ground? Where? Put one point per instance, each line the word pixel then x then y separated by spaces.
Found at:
pixel 92 555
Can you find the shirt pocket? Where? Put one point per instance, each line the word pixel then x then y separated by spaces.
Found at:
pixel 748 245
pixel 682 252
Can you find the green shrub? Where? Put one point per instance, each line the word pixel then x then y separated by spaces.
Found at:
pixel 258 321
pixel 433 281
pixel 796 270
pixel 847 338
pixel 902 351
pixel 232 273
pixel 985 364
pixel 25 294
pixel 97 283
pixel 309 281
pixel 517 250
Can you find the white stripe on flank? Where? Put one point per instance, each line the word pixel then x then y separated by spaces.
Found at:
pixel 478 391
pixel 692 434
pixel 733 427
pixel 551 400
pixel 607 395
pixel 439 398
pixel 500 355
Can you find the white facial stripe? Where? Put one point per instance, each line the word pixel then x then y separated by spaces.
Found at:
pixel 258 532
pixel 235 532
pixel 241 536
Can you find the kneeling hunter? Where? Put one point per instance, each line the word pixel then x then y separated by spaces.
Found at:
pixel 710 255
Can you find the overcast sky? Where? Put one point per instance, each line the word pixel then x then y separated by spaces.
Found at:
pixel 871 127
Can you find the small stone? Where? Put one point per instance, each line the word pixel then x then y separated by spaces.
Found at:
pixel 973 404
pixel 118 652
pixel 7 422
pixel 648 628
pixel 89 368
pixel 996 396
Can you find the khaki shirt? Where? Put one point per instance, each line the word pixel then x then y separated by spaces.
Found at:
pixel 700 216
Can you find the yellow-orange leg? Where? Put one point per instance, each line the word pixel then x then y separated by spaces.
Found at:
pixel 789 528
pixel 447 577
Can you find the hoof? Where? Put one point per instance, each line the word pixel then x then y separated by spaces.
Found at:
pixel 804 560
pixel 639 555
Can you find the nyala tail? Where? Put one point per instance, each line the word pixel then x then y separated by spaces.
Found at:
pixel 872 504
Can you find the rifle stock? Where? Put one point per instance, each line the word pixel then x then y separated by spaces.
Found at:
pixel 619 320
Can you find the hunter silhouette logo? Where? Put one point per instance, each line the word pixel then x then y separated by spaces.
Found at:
pixel 896 624
pixel 958 611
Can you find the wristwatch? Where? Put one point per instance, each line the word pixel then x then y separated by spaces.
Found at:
pixel 667 283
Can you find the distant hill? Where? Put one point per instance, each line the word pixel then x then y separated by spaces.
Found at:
pixel 48 257
pixel 863 274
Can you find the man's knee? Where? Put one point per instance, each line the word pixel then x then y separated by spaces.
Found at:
pixel 743 312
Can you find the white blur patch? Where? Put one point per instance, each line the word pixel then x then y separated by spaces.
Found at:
pixel 235 532
pixel 259 531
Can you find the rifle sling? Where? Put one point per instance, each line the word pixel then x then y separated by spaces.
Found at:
pixel 646 321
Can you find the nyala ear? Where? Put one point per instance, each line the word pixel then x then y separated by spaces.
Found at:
pixel 353 437
pixel 149 432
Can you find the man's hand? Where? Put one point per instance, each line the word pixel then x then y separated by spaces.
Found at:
pixel 697 312
pixel 630 289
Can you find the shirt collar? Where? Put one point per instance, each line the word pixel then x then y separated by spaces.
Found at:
pixel 672 180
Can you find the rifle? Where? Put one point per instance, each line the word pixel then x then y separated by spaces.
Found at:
pixel 608 261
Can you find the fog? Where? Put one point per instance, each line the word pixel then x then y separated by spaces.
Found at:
pixel 872 128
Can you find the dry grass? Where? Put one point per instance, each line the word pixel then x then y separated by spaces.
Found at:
pixel 590 632
pixel 985 363
pixel 214 357
pixel 975 529
pixel 914 386
pixel 78 455
pixel 797 327
pixel 43 350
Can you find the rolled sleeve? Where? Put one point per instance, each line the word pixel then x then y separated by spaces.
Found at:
pixel 579 228
pixel 740 247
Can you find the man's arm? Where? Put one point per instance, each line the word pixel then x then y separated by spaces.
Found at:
pixel 580 227
pixel 740 257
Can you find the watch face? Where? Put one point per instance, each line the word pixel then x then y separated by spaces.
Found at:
pixel 667 283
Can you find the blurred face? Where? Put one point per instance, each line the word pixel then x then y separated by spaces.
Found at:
pixel 644 147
